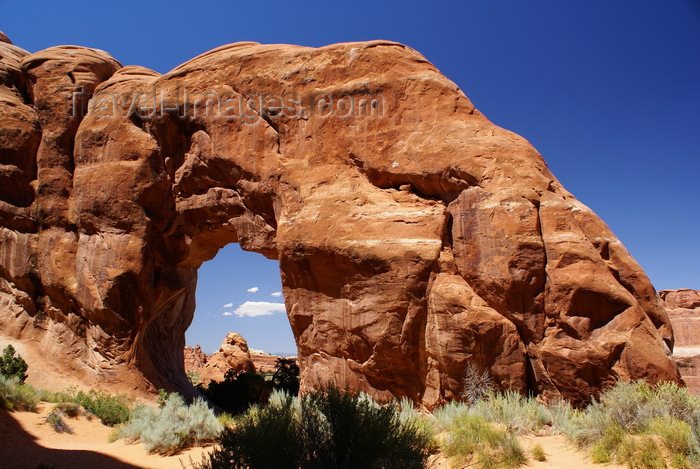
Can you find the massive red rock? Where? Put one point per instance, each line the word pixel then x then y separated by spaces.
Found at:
pixel 684 311
pixel 414 236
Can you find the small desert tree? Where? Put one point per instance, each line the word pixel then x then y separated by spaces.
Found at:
pixel 11 366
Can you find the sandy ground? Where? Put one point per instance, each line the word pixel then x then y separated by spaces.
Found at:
pixel 28 441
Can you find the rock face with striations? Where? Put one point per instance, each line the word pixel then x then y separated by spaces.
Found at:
pixel 684 311
pixel 414 236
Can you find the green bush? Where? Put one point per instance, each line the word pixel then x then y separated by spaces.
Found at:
pixel 173 427
pixel 324 429
pixel 17 396
pixel 11 366
pixel 110 409
pixel 474 441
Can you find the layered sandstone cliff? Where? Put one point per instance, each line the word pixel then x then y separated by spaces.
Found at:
pixel 414 236
pixel 684 311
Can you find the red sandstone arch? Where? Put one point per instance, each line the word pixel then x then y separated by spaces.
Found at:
pixel 414 236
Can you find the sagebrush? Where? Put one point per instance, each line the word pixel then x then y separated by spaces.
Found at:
pixel 172 427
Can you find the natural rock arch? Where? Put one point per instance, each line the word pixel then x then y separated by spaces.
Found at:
pixel 414 236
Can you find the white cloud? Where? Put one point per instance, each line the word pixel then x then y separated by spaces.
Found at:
pixel 227 313
pixel 228 305
pixel 276 294
pixel 258 308
pixel 252 289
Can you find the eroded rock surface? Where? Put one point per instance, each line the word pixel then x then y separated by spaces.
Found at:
pixel 414 236
pixel 684 311
pixel 233 354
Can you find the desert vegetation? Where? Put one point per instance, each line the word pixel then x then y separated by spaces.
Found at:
pixel 328 428
pixel 269 426
pixel 172 427
pixel 238 391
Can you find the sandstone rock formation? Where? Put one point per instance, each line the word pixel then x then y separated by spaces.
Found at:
pixel 414 236
pixel 233 354
pixel 684 311
pixel 264 362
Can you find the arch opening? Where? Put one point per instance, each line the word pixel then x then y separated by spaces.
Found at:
pixel 240 291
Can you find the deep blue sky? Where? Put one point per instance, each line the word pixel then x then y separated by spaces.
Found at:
pixel 608 92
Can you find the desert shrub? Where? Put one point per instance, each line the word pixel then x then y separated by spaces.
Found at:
pixel 477 384
pixel 625 406
pixel 446 415
pixel 55 419
pixel 641 453
pixel 173 427
pixel 64 396
pixel 514 411
pixel 110 409
pixel 69 409
pixel 247 445
pixel 226 419
pixel 346 430
pixel 668 398
pixel 11 366
pixel 472 440
pixel 694 442
pixel 538 453
pixel 567 420
pixel 238 391
pixel 676 436
pixel 606 448
pixel 408 415
pixel 17 396
pixel 633 416
pixel 327 428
